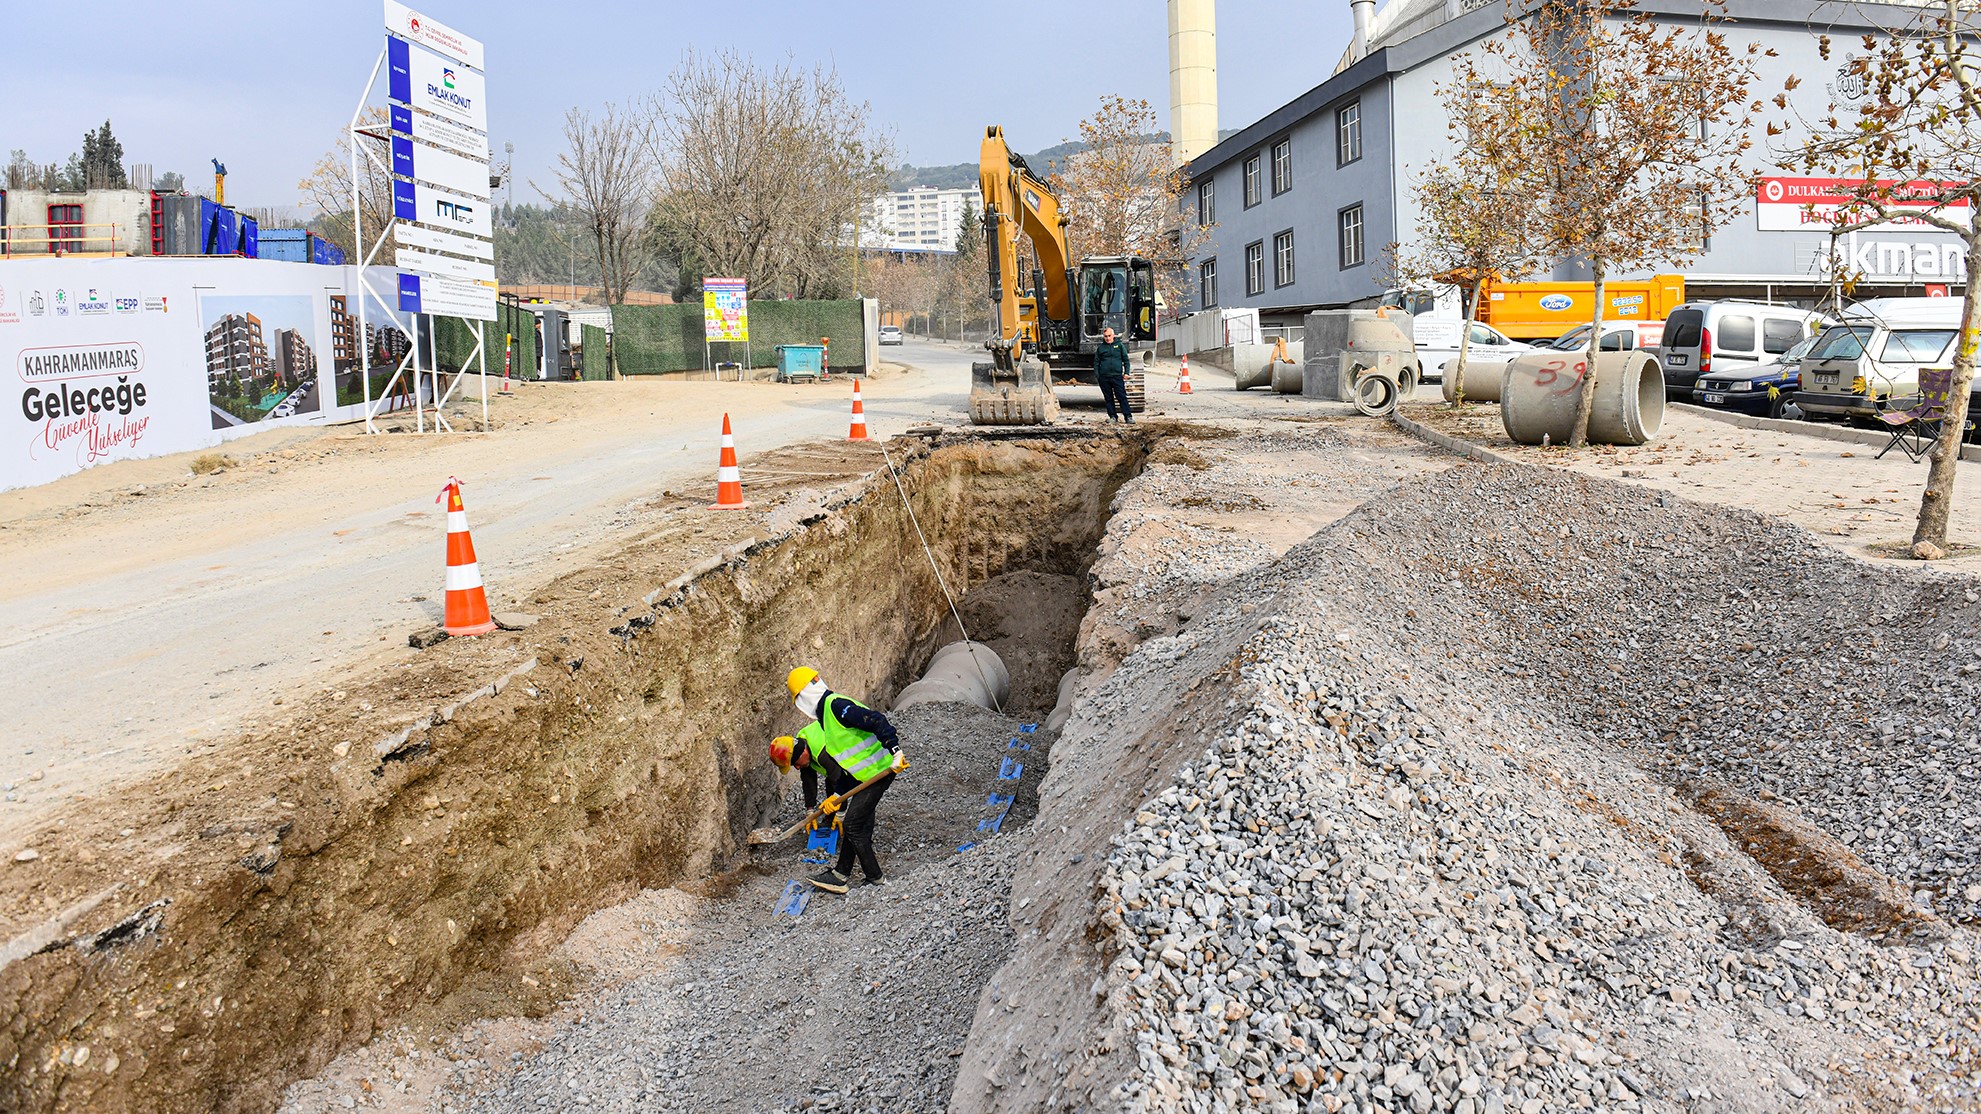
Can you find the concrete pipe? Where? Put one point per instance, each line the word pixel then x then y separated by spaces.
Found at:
pixel 965 672
pixel 1376 394
pixel 1289 379
pixel 1062 708
pixel 1482 380
pixel 1538 393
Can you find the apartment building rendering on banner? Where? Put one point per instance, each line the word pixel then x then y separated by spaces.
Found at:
pixel 1302 203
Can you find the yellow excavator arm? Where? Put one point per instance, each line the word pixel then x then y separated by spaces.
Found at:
pixel 1016 203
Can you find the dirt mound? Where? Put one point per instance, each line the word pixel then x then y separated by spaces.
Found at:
pixel 1031 620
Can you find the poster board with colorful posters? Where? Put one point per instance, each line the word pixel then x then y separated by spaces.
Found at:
pixel 725 309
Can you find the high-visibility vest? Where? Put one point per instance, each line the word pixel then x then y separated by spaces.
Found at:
pixel 859 753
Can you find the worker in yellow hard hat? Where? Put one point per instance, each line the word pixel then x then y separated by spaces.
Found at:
pixel 862 746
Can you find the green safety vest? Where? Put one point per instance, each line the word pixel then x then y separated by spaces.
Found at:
pixel 859 753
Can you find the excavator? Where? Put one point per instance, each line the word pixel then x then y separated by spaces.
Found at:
pixel 1045 333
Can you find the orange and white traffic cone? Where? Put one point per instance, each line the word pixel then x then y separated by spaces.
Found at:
pixel 1183 381
pixel 859 430
pixel 467 603
pixel 728 477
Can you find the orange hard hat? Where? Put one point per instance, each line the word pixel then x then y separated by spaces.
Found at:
pixel 780 751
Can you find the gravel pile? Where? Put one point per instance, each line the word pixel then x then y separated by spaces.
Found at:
pixel 1439 863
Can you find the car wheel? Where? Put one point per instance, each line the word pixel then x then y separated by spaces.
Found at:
pixel 1778 406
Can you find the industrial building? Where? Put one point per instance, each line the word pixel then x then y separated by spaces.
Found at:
pixel 1302 203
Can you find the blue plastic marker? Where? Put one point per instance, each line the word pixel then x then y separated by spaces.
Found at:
pixel 999 800
pixel 1016 745
pixel 962 847
pixel 791 902
pixel 1010 770
pixel 1028 728
pixel 995 823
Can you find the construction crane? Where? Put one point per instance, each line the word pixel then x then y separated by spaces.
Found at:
pixel 219 182
pixel 1045 333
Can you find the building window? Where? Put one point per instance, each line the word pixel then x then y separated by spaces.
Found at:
pixel 1251 181
pixel 1282 166
pixel 1207 202
pixel 1207 284
pixel 1283 258
pixel 1348 133
pixel 1351 237
pixel 1255 267
pixel 65 228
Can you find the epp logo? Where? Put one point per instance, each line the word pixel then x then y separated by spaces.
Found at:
pixel 1557 302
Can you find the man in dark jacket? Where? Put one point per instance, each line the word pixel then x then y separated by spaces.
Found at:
pixel 859 745
pixel 1110 367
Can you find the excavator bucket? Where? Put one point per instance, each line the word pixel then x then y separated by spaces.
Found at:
pixel 1023 397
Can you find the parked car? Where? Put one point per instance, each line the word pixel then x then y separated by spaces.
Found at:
pixel 1618 336
pixel 1437 345
pixel 890 334
pixel 1760 389
pixel 1872 356
pixel 1728 336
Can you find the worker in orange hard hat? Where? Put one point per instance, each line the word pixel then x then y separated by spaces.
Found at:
pixel 803 754
pixel 860 744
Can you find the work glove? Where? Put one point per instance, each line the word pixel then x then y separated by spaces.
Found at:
pixel 830 805
pixel 900 761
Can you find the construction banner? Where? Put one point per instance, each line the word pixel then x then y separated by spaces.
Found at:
pixel 725 309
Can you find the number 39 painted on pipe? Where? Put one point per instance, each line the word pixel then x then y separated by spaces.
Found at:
pixel 1551 372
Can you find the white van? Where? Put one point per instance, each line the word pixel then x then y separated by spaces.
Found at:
pixel 1437 345
pixel 1706 337
pixel 1872 356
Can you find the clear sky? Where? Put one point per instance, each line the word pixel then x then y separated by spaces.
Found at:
pixel 266 86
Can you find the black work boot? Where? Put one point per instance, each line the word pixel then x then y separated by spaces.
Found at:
pixel 874 880
pixel 831 881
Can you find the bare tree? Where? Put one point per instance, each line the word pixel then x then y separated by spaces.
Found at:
pixel 1472 223
pixel 1916 139
pixel 1123 195
pixel 1631 134
pixel 606 174
pixel 762 172
pixel 327 189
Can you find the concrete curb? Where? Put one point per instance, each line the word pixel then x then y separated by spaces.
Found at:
pixel 1821 430
pixel 1447 442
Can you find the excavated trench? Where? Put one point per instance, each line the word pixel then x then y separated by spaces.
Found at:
pixel 427 871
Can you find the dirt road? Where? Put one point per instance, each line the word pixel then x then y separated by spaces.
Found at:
pixel 153 611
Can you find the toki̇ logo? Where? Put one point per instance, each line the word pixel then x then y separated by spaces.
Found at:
pixel 62 305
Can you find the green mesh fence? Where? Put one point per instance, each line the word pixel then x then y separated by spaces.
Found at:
pixel 598 351
pixel 454 341
pixel 650 340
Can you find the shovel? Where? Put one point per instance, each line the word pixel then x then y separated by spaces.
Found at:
pixel 771 835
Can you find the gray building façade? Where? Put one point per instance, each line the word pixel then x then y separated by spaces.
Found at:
pixel 1303 202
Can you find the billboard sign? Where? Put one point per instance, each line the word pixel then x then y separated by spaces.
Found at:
pixel 426 81
pixel 1814 204
pixel 408 24
pixel 725 309
pixel 438 131
pixel 445 266
pixel 441 209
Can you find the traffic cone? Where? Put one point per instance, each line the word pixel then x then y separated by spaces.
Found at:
pixel 859 430
pixel 467 603
pixel 1183 381
pixel 728 478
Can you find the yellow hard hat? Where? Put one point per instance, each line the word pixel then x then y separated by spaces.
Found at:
pixel 799 678
pixel 780 751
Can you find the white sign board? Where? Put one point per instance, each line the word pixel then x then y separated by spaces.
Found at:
pixel 423 80
pixel 446 297
pixel 441 209
pixel 406 23
pixel 413 159
pixel 1812 205
pixel 438 131
pixel 437 239
pixel 445 266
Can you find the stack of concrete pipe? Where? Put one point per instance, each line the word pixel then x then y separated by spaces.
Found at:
pixel 963 672
pixel 1539 390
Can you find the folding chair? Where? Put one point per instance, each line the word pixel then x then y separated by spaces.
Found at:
pixel 1914 430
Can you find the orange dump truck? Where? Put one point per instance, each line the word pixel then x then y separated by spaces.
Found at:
pixel 1544 310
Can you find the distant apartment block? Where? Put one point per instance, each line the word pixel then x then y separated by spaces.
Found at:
pixel 294 360
pixel 923 219
pixel 343 335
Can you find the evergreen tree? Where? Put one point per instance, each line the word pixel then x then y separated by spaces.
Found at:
pixel 103 160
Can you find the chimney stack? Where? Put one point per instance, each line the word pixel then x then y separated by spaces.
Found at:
pixel 1192 78
pixel 1365 13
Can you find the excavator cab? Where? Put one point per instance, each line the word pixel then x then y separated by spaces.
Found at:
pixel 1118 294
